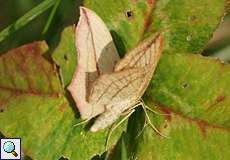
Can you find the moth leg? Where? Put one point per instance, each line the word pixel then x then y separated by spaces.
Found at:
pixel 151 110
pixel 117 125
pixel 82 122
pixel 145 124
pixel 150 123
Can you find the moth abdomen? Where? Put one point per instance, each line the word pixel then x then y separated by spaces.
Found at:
pixel 106 119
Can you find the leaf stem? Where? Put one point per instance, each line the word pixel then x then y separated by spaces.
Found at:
pixel 51 16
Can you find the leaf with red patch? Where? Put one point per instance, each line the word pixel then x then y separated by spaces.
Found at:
pixel 33 107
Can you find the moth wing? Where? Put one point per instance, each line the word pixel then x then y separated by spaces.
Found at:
pixel 118 87
pixel 132 74
pixel 96 55
pixel 146 54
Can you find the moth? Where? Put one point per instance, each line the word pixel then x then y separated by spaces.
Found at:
pixel 104 85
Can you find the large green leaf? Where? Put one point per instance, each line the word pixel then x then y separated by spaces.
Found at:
pixel 193 90
pixel 193 85
pixel 187 25
pixel 187 139
pixel 33 107
pixel 182 81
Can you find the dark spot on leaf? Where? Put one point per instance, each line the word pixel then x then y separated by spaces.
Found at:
pixel 63 158
pixel 1 110
pixel 202 124
pixel 65 57
pixel 96 157
pixel 220 98
pixel 1 135
pixel 165 125
pixel 26 157
pixel 129 13
pixel 192 18
pixel 185 85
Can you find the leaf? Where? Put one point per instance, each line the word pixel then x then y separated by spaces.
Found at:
pixel 120 151
pixel 146 18
pixel 197 86
pixel 188 139
pixel 187 27
pixel 64 55
pixel 34 108
pixel 196 97
pixel 124 155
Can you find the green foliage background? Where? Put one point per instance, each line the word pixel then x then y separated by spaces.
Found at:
pixel 191 89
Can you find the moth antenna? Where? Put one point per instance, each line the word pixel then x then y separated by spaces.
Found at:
pixel 151 110
pixel 114 127
pixel 133 107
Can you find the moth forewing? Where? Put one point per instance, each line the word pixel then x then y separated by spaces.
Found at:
pixel 120 91
pixel 116 87
pixel 125 87
pixel 96 55
pixel 147 52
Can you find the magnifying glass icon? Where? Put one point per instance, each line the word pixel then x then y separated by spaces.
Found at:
pixel 9 147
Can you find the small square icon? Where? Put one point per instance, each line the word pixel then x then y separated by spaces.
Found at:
pixel 10 148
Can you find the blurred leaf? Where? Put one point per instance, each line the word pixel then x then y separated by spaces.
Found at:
pixel 192 87
pixel 124 155
pixel 25 19
pixel 51 16
pixel 120 151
